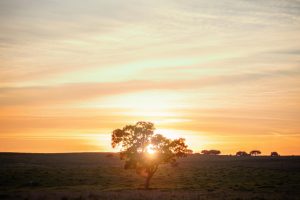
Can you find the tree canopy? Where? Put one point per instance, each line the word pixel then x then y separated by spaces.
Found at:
pixel 242 153
pixel 144 151
pixel 255 152
pixel 274 153
pixel 211 152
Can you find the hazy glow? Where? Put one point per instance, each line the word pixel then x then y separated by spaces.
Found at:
pixel 223 75
pixel 150 149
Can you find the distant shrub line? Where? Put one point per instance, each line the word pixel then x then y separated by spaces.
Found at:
pixel 239 153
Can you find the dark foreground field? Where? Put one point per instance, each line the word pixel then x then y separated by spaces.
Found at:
pixel 96 176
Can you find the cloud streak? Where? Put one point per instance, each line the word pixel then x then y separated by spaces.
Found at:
pixel 212 68
pixel 76 92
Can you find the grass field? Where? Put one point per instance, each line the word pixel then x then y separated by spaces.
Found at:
pixel 97 176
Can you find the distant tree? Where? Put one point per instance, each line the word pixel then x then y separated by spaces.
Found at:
pixel 211 152
pixel 241 153
pixel 144 151
pixel 255 152
pixel 274 153
pixel 205 152
pixel 214 152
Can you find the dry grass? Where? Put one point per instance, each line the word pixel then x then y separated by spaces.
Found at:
pixel 98 176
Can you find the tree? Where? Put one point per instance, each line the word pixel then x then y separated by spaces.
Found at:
pixel 255 152
pixel 211 152
pixel 144 151
pixel 241 153
pixel 205 152
pixel 274 154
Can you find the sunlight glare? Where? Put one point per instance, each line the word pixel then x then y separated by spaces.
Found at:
pixel 150 149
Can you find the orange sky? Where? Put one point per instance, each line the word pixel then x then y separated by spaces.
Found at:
pixel 223 75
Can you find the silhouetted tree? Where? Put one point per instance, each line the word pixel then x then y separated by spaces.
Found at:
pixel 241 153
pixel 255 152
pixel 211 152
pixel 205 152
pixel 136 140
pixel 274 153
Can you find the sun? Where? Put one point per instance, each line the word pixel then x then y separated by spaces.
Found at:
pixel 150 149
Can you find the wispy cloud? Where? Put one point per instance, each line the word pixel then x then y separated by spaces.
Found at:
pixel 76 92
pixel 235 63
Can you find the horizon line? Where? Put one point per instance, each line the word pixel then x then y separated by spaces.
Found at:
pixel 86 152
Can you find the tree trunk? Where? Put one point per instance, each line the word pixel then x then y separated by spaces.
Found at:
pixel 151 172
pixel 147 183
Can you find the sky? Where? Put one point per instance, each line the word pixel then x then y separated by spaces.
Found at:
pixel 222 74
